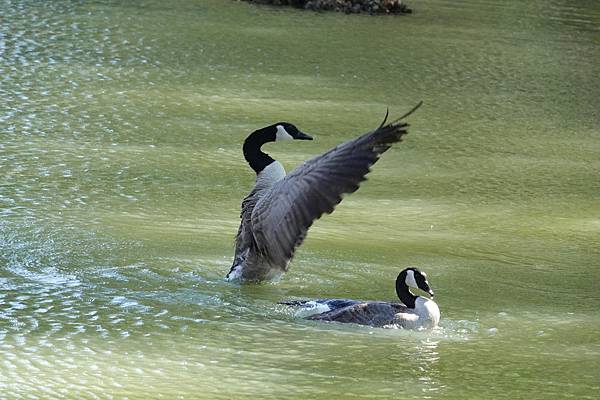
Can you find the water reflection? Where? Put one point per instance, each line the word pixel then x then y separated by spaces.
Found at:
pixel 427 357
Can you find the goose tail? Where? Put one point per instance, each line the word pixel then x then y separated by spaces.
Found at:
pixel 293 302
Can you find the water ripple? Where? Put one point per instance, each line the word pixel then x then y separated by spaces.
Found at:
pixel 117 117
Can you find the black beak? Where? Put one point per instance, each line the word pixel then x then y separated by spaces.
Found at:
pixel 302 136
pixel 427 289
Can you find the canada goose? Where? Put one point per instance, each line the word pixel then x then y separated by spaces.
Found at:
pixel 414 312
pixel 280 208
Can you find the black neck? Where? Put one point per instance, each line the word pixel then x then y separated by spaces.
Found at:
pixel 405 294
pixel 252 152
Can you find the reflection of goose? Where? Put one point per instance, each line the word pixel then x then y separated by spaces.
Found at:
pixel 413 312
pixel 279 210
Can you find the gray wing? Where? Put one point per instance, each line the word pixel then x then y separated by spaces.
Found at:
pixel 281 219
pixel 366 313
pixel 333 304
pixel 244 238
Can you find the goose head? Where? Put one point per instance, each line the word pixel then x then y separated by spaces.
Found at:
pixel 280 131
pixel 286 131
pixel 411 278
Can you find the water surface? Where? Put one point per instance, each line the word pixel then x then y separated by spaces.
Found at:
pixel 122 176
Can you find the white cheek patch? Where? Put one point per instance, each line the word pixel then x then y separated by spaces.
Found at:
pixel 410 279
pixel 282 134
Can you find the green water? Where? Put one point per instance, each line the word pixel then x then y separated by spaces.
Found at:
pixel 121 177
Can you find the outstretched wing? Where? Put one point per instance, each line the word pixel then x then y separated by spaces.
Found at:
pixel 281 219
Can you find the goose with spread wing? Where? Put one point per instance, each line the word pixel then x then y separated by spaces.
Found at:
pixel 280 208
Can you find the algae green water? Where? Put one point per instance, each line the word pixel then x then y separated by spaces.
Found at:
pixel 121 177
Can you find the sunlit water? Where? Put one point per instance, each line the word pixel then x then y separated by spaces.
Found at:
pixel 121 177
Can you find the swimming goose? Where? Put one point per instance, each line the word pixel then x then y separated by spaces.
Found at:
pixel 280 208
pixel 414 312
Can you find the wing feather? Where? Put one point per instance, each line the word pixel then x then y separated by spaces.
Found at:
pixel 282 217
pixel 365 313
